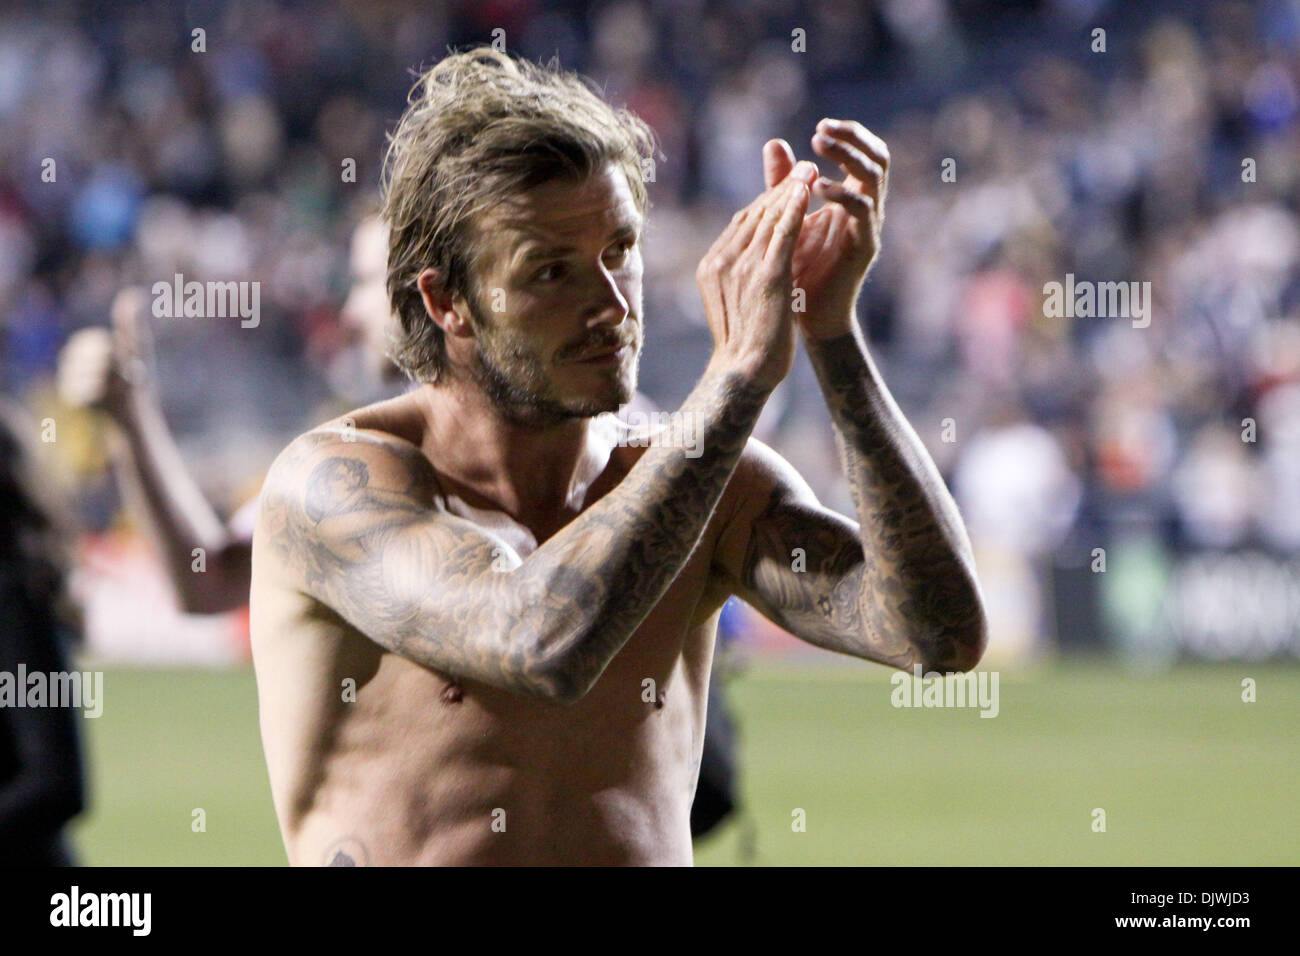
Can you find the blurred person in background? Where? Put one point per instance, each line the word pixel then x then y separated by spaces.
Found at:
pixel 110 369
pixel 1019 498
pixel 42 782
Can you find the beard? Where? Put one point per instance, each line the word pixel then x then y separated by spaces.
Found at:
pixel 520 383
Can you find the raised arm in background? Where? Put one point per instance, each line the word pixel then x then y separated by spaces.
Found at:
pixel 108 369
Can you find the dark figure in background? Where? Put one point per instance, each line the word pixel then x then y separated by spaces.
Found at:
pixel 42 785
pixel 717 790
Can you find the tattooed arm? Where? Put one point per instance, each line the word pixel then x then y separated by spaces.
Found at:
pixel 357 526
pixel 899 588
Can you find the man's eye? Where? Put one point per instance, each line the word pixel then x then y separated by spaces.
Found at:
pixel 623 249
pixel 552 271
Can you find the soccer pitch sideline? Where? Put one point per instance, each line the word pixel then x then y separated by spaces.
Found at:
pixel 1186 772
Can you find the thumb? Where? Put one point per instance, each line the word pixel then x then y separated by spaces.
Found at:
pixel 778 160
pixel 132 335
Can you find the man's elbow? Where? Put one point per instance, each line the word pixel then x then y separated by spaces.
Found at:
pixel 555 688
pixel 965 655
pixel 959 646
pixel 554 681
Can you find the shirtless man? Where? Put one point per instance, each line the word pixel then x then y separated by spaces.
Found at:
pixel 483 617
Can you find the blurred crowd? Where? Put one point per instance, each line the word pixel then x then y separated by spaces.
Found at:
pixel 135 148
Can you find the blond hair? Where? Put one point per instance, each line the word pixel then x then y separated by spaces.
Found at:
pixel 479 128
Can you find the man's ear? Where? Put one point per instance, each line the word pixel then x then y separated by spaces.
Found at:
pixel 451 315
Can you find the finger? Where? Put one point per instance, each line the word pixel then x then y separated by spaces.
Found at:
pixel 856 204
pixel 769 206
pixel 784 232
pixel 744 232
pixel 126 304
pixel 853 161
pixel 778 160
pixel 124 313
pixel 836 225
pixel 859 136
pixel 131 333
pixel 714 263
pixel 811 239
pixel 712 298
pixel 743 221
pixel 724 238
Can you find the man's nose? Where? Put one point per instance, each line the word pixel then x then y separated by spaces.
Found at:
pixel 609 305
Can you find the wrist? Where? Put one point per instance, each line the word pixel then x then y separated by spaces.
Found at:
pixel 130 408
pixel 753 376
pixel 825 328
pixel 845 362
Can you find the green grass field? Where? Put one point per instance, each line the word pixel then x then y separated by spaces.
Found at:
pixel 1187 773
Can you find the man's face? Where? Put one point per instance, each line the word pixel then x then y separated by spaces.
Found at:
pixel 558 309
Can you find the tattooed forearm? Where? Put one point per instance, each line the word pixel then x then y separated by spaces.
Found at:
pixel 359 526
pixel 649 526
pixel 917 596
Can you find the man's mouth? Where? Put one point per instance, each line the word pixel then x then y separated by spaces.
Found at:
pixel 605 355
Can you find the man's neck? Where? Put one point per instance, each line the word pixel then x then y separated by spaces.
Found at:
pixel 530 471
